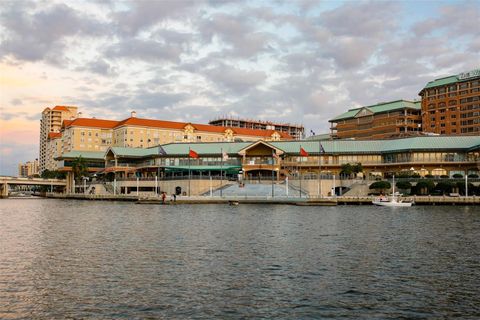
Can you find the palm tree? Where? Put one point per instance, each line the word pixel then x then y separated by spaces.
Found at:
pixel 79 168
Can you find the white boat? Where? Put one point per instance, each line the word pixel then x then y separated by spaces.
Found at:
pixel 393 201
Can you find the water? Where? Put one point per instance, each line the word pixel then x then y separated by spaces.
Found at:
pixel 105 260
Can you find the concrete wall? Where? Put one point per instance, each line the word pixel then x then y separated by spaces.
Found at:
pixel 197 187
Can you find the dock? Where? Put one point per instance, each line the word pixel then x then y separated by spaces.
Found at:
pixel 331 201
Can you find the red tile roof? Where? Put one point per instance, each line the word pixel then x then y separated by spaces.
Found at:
pixel 98 123
pixel 54 135
pixel 90 122
pixel 61 108
pixel 151 123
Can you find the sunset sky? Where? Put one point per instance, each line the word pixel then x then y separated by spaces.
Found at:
pixel 289 61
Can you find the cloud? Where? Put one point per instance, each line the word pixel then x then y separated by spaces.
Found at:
pixel 40 33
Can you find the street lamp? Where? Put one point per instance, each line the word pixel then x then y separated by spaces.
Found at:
pixel 85 184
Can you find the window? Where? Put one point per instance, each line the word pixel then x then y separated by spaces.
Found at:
pixel 452 88
pixel 463 85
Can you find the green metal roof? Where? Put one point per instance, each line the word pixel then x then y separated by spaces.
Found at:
pixel 427 143
pixel 380 108
pixel 84 154
pixel 205 148
pixel 382 146
pixel 453 79
pixel 441 82
pixel 323 136
pixel 132 152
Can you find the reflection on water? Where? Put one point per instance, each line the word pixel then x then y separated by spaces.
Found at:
pixel 81 259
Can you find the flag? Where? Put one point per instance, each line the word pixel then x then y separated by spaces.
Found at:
pixel 303 153
pixel 193 154
pixel 275 155
pixel 321 149
pixel 224 156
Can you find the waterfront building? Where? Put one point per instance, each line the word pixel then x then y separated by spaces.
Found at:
pixel 399 118
pixel 294 130
pixel 28 169
pixel 95 135
pixel 51 121
pixel 451 105
pixel 426 155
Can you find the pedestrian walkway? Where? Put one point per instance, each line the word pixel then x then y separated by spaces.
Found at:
pixel 258 190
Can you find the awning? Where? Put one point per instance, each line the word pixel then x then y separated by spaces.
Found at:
pixel 228 169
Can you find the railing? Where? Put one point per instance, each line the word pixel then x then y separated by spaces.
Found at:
pixel 170 178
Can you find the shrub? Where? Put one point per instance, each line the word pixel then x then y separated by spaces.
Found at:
pixel 403 185
pixel 457 176
pixel 424 187
pixel 380 185
pixel 429 176
pixel 444 187
pixel 473 175
pixel 444 176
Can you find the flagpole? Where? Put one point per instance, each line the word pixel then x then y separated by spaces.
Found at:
pixel 319 169
pixel 300 172
pixel 221 172
pixel 273 161
pixel 189 172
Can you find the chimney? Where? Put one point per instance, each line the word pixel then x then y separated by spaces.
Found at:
pixel 133 114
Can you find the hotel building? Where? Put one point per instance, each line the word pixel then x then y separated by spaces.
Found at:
pixel 383 120
pixel 451 105
pixel 295 131
pixel 51 122
pixel 97 135
pixel 426 155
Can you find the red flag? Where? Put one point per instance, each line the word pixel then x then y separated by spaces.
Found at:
pixel 193 154
pixel 303 153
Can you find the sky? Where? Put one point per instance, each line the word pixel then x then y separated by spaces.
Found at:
pixel 301 62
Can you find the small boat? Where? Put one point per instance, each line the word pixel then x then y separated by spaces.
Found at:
pixel 393 201
pixel 233 203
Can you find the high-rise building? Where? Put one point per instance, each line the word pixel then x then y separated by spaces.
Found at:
pixel 451 105
pixel 294 130
pixel 399 118
pixel 52 119
pixel 28 169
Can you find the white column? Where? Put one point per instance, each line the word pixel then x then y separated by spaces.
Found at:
pixel 211 188
pixel 286 186
pixel 156 186
pixel 114 186
pixel 137 185
pixel 466 184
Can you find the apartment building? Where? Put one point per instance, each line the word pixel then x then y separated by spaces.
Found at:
pixel 398 118
pixel 451 105
pixel 51 121
pixel 294 130
pixel 28 169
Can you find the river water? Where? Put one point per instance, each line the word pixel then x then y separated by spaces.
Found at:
pixel 112 260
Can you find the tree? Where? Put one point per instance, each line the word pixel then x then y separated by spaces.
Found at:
pixel 47 174
pixel 444 187
pixel 347 169
pixel 357 168
pixel 405 185
pixel 424 187
pixel 79 168
pixel 380 186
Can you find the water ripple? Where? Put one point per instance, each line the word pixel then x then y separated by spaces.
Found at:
pixel 105 260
